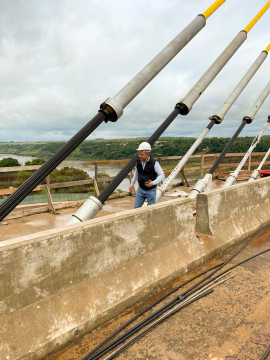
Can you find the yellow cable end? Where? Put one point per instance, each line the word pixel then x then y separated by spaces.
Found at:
pixel 268 48
pixel 257 17
pixel 213 8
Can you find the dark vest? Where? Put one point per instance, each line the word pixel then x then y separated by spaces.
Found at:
pixel 148 173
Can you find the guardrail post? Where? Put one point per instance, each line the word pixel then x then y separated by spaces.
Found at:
pixel 49 197
pixel 249 162
pixel 96 179
pixel 184 178
pixel 202 166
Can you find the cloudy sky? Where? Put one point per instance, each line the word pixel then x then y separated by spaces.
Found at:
pixel 59 59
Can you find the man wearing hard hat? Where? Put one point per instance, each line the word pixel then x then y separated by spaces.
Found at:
pixel 149 174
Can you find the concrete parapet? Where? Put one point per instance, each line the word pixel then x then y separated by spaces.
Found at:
pixel 43 208
pixel 232 214
pixel 58 284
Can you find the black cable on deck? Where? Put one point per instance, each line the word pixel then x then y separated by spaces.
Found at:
pixel 150 327
pixel 138 336
pixel 148 308
pixel 154 316
pixel 265 356
pixel 37 177
pixel 175 301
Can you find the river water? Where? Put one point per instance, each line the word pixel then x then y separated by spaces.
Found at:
pixel 112 170
pixel 22 159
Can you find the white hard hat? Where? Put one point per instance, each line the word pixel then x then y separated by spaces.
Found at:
pixel 144 146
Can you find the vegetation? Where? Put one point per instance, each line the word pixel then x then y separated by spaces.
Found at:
pixel 15 179
pixel 58 176
pixel 125 148
pixel 35 162
pixel 113 150
pixel 9 162
pixel 7 178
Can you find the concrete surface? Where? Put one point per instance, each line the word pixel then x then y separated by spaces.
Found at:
pixel 59 282
pixel 39 208
pixel 33 218
pixel 34 209
pixel 234 212
pixel 233 323
pixel 30 219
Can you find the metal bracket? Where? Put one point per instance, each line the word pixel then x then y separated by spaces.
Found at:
pixel 112 108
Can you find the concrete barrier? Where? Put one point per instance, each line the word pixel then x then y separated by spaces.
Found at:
pixel 60 284
pixel 231 214
pixel 56 285
pixel 43 208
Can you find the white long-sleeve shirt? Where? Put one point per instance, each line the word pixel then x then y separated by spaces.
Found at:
pixel 158 170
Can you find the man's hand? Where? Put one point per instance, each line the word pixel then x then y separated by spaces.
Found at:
pixel 130 189
pixel 149 184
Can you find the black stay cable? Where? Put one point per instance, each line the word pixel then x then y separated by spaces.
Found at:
pixel 227 147
pixel 132 162
pixel 35 179
pixel 148 308
pixel 178 299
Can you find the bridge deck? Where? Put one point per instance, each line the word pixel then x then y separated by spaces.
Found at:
pixel 231 323
pixel 45 221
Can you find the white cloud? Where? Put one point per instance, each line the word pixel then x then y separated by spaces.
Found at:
pixel 60 59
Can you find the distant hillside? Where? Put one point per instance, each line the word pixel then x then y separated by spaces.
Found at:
pixel 125 148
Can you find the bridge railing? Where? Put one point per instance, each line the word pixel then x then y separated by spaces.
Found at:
pixel 197 164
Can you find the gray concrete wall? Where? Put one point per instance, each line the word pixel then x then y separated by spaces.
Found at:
pixel 57 283
pixel 21 212
pixel 235 212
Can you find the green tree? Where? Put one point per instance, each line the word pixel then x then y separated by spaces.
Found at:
pixel 35 162
pixel 9 162
pixel 57 176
